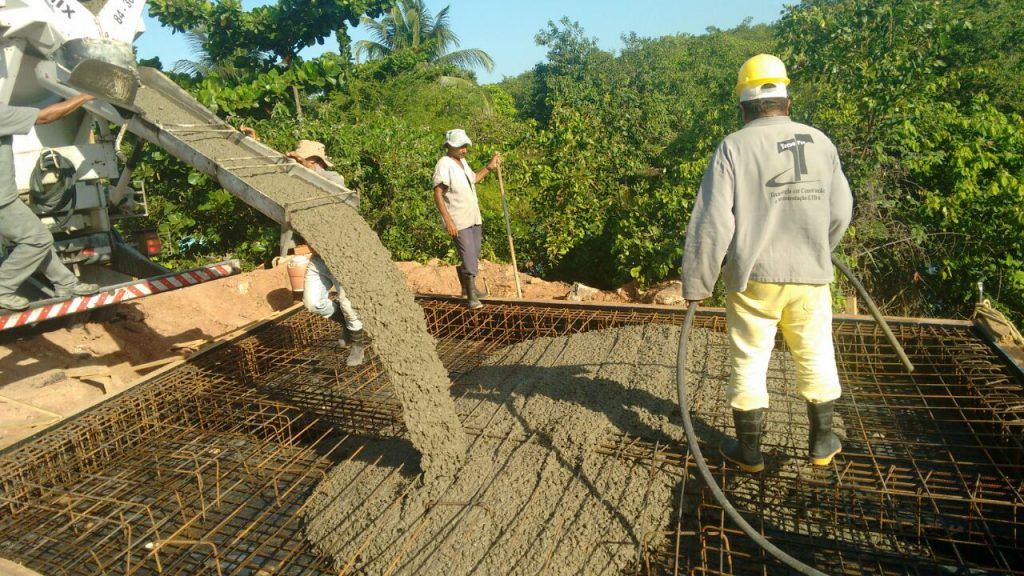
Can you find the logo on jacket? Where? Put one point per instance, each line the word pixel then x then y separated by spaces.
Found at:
pixel 795 146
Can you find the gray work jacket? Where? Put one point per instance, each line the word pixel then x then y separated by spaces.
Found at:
pixel 773 205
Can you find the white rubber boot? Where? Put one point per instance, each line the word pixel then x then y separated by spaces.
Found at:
pixel 356 354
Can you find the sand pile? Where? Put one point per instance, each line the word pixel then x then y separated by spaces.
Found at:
pixel 356 257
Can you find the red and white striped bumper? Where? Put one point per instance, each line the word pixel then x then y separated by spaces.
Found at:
pixel 117 294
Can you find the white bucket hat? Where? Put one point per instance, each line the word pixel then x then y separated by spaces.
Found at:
pixel 457 138
pixel 310 148
pixel 769 90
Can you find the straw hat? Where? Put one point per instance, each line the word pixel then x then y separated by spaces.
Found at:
pixel 309 148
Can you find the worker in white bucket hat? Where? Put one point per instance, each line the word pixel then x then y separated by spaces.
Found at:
pixel 455 195
pixel 773 205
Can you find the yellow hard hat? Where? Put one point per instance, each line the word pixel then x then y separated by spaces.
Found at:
pixel 760 70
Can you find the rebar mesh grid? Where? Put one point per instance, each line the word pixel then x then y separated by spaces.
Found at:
pixel 206 468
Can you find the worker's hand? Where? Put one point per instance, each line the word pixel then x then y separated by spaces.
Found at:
pixel 495 162
pixel 248 132
pixel 307 162
pixel 450 227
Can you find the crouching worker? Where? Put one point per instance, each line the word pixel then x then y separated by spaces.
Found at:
pixel 455 196
pixel 773 205
pixel 319 280
pixel 316 298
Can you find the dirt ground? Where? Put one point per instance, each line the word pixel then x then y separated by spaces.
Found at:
pixel 497 280
pixel 55 369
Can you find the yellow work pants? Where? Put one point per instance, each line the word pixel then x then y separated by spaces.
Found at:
pixel 804 312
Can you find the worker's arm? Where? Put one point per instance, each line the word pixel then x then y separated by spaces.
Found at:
pixel 55 112
pixel 449 224
pixel 248 131
pixel 711 228
pixel 491 166
pixel 840 205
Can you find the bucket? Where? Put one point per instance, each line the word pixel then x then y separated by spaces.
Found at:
pixel 297 272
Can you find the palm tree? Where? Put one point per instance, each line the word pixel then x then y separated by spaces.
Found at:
pixel 409 24
pixel 203 64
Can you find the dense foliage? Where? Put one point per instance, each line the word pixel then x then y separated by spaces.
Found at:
pixel 604 152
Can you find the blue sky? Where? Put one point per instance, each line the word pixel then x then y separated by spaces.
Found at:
pixel 505 30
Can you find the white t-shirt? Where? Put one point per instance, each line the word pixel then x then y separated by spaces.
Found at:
pixel 460 191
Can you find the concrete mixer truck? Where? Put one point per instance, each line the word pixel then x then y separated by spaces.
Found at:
pixel 72 173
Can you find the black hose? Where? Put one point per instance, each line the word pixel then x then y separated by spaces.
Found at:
pixel 874 312
pixel 691 436
pixel 59 197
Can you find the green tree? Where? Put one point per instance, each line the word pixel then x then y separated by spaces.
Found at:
pixel 625 141
pixel 604 153
pixel 202 64
pixel 684 87
pixel 266 35
pixel 911 90
pixel 259 48
pixel 409 25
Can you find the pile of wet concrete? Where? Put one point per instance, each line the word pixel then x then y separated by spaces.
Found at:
pixel 535 493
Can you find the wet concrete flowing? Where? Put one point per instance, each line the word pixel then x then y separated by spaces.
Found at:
pixel 356 257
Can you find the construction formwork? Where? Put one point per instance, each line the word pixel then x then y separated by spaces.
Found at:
pixel 205 468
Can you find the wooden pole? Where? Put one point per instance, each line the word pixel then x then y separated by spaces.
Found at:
pixel 508 232
pixel 298 105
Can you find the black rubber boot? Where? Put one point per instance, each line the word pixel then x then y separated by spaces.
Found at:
pixel 339 317
pixel 472 300
pixel 462 281
pixel 745 449
pixel 478 292
pixel 822 442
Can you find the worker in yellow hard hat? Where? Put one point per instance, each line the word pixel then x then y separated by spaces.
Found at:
pixel 772 206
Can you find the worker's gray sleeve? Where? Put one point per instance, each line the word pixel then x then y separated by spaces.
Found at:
pixel 840 205
pixel 17 119
pixel 711 227
pixel 332 176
